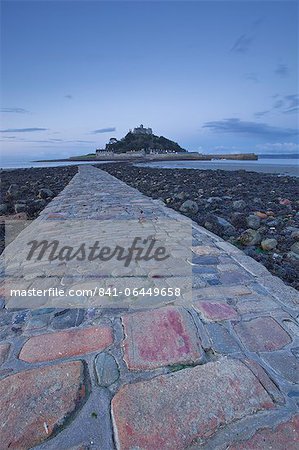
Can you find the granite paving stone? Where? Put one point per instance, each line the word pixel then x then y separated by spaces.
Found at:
pixel 35 403
pixel 262 334
pixel 174 411
pixel 160 338
pixel 284 436
pixel 215 311
pixel 62 344
pixel 222 340
pixel 286 364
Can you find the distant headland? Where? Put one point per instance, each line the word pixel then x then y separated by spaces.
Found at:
pixel 141 144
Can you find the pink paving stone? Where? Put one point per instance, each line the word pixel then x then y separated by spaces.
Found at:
pixel 283 437
pixel 160 338
pixel 50 346
pixel 263 334
pixel 34 403
pixel 182 409
pixel 215 311
pixel 4 349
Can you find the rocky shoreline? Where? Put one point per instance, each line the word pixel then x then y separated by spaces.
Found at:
pixel 257 212
pixel 26 192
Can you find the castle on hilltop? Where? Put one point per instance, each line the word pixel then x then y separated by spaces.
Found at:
pixel 138 142
pixel 141 130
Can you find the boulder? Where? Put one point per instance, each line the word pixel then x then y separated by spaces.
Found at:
pixel 250 237
pixel 180 196
pixel 268 244
pixel 219 225
pixel 261 215
pixel 238 219
pixel 295 248
pixel 20 207
pixel 189 206
pixel 295 235
pixel 238 205
pixel 253 222
pixel 3 208
pixel 214 200
pixel 45 193
pixel 13 190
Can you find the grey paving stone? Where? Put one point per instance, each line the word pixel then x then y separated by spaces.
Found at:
pixel 285 364
pixel 38 312
pixel 205 260
pixel 106 369
pixel 222 341
pixel 68 319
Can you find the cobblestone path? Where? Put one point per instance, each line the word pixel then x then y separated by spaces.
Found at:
pixel 215 370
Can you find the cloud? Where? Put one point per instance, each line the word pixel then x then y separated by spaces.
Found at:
pixel 257 23
pixel 103 130
pixel 261 113
pixel 292 103
pixel 69 96
pixel 242 44
pixel 282 70
pixel 278 104
pixel 253 129
pixel 22 130
pixel 252 77
pixel 287 104
pixel 14 110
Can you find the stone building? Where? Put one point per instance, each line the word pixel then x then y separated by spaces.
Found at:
pixel 142 130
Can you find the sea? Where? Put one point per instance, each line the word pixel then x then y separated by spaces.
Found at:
pixel 277 164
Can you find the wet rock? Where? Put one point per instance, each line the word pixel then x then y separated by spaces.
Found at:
pixel 20 207
pixel 285 201
pixel 269 244
pixel 250 237
pixel 295 235
pixel 3 208
pixel 218 224
pixel 180 196
pixel 239 205
pixel 189 206
pixel 253 222
pixel 45 193
pixel 295 248
pixel 261 215
pixel 13 190
pixel 293 256
pixel 214 200
pixel 238 219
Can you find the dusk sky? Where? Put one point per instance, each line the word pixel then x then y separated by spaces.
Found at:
pixel 214 76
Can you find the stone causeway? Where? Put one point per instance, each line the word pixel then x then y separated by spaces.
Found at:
pixel 215 369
